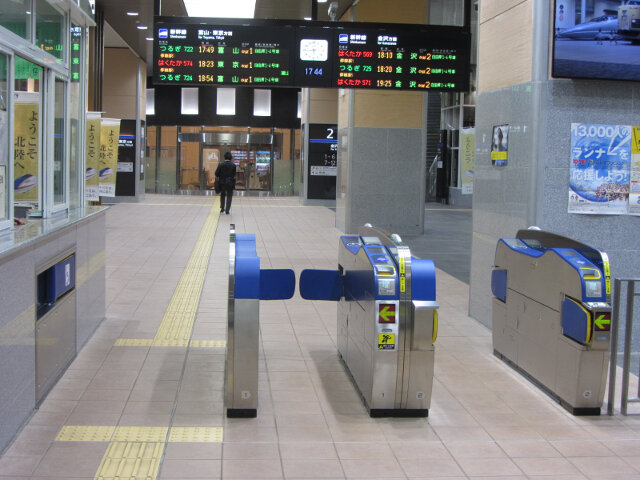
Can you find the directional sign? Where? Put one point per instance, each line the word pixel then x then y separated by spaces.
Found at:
pixel 603 322
pixel 387 313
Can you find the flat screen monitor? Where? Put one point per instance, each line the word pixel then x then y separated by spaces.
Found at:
pixel 596 40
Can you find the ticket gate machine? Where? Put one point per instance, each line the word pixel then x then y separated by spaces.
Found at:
pixel 552 317
pixel 248 284
pixel 387 319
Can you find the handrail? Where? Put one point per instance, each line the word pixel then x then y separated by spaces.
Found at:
pixel 613 354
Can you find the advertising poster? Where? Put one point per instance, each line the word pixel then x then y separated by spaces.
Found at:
pixel 634 184
pixel 3 192
pixel 599 172
pixel 26 144
pixel 93 153
pixel 499 145
pixel 108 158
pixel 467 152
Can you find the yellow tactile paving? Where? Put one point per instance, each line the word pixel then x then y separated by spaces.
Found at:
pixel 209 343
pixel 132 460
pixel 177 323
pixel 196 434
pixel 134 342
pixel 140 434
pixel 85 433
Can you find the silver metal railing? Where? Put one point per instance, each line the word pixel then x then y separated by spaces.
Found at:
pixel 631 293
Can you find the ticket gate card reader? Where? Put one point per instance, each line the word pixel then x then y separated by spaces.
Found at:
pixel 387 320
pixel 248 284
pixel 551 315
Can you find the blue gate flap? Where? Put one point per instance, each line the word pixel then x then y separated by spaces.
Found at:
pixel 423 279
pixel 576 321
pixel 247 277
pixel 277 284
pixel 499 284
pixel 321 285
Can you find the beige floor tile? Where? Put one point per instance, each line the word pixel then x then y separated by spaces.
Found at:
pixel 253 469
pixel 22 466
pixel 190 469
pixel 255 451
pixel 546 466
pixel 603 466
pixel 364 451
pixel 461 450
pixel 69 459
pixel 488 466
pixel 382 468
pixel 578 448
pixel 311 451
pixel 433 467
pixel 312 468
pixel 193 451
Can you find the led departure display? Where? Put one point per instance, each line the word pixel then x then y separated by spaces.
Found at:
pixel 310 54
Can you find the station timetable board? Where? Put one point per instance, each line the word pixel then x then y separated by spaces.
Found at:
pixel 192 51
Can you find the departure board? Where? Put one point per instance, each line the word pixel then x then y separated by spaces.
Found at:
pixel 193 52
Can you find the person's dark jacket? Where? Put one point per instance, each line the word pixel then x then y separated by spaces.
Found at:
pixel 226 172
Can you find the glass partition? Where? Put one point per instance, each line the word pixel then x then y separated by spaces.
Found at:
pixel 59 143
pixel 49 29
pixel 150 160
pixel 168 161
pixel 4 141
pixel 16 17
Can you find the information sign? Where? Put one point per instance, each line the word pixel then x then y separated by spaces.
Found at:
pixel 193 51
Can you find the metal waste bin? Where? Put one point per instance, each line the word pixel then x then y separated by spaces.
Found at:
pixel 552 316
pixel 387 319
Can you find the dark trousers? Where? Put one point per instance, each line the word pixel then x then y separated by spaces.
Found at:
pixel 226 195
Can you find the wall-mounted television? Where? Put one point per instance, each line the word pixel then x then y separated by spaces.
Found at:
pixel 596 39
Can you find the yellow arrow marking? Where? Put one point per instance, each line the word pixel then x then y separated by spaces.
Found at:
pixel 387 314
pixel 601 321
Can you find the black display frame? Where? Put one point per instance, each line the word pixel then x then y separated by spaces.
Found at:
pixel 436 36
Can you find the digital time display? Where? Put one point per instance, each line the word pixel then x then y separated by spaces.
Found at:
pixel 190 51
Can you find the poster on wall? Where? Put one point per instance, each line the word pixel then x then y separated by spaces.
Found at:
pixel 599 171
pixel 108 158
pixel 26 146
pixel 634 173
pixel 499 145
pixel 92 157
pixel 3 189
pixel 467 152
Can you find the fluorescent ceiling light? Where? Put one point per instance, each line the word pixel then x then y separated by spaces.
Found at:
pixel 307 18
pixel 221 8
pixel 149 38
pixel 142 27
pixel 322 1
pixel 132 14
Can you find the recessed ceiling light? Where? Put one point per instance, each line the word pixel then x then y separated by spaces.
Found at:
pixel 307 18
pixel 142 27
pixel 322 1
pixel 149 38
pixel 132 14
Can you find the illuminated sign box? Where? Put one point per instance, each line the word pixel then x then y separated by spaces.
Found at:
pixel 271 53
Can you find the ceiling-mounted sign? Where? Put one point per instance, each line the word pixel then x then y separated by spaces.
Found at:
pixel 259 53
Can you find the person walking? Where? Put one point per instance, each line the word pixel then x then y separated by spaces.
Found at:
pixel 226 173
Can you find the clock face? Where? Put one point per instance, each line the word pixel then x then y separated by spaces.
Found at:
pixel 314 50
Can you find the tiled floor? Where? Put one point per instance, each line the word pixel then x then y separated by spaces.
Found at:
pixel 485 421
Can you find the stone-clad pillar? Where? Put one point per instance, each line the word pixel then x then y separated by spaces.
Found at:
pixel 381 142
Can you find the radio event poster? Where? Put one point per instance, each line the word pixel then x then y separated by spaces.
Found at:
pixel 26 133
pixel 599 171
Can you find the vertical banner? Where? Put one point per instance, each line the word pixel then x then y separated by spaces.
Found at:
pixel 634 185
pixel 26 148
pixel 92 167
pixel 599 172
pixel 108 159
pixel 3 192
pixel 500 146
pixel 467 154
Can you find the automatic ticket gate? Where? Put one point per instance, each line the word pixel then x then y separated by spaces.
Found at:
pixel 551 315
pixel 248 284
pixel 387 320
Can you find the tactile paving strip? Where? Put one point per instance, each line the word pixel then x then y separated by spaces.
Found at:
pixel 196 434
pixel 140 434
pixel 134 342
pixel 85 433
pixel 132 460
pixel 209 343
